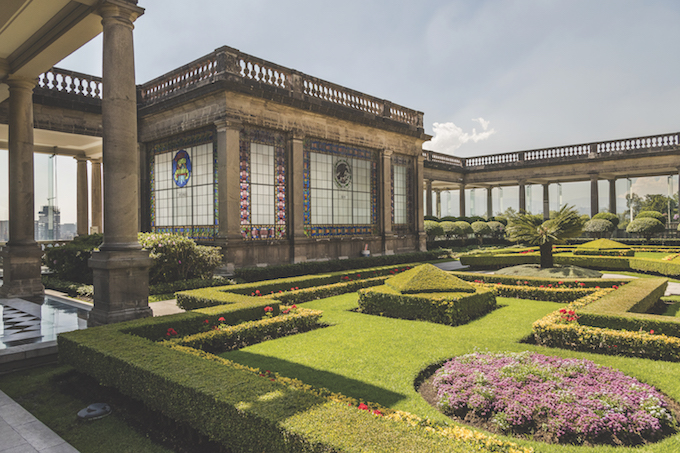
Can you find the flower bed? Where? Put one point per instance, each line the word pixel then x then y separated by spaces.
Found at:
pixel 554 399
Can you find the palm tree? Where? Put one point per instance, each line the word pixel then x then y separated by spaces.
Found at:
pixel 534 230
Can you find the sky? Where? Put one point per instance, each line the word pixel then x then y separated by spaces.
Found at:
pixel 490 76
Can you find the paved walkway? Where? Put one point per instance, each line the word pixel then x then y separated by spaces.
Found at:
pixel 21 432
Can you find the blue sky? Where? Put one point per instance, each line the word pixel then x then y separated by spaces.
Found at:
pixel 491 76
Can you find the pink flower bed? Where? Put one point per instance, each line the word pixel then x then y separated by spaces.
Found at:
pixel 566 400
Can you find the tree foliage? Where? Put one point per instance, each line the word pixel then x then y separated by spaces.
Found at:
pixel 532 230
pixel 599 227
pixel 646 227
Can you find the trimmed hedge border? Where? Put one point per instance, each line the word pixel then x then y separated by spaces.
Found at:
pixel 616 330
pixel 443 308
pixel 309 287
pixel 243 408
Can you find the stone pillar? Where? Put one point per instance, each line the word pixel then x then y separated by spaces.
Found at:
pixel 594 195
pixel 96 202
pixel 386 202
pixel 546 201
pixel 296 206
pixel 522 197
pixel 612 196
pixel 461 200
pixel 120 267
pixel 418 196
pixel 428 197
pixel 82 220
pixel 21 255
pixel 438 202
pixel 489 203
pixel 229 192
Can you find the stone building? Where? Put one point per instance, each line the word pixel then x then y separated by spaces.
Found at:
pixel 277 166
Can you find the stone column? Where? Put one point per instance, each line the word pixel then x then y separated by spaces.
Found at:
pixel 594 195
pixel 120 267
pixel 82 220
pixel 428 197
pixel 612 196
pixel 438 202
pixel 418 196
pixel 461 199
pixel 546 201
pixel 489 203
pixel 96 202
pixel 386 202
pixel 21 255
pixel 522 197
pixel 296 201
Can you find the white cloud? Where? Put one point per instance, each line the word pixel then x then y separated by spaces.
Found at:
pixel 448 137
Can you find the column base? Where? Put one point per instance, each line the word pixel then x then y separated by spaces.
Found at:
pixel 121 286
pixel 388 243
pixel 422 242
pixel 21 271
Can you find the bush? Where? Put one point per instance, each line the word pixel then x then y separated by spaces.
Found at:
pixel 178 258
pixel 599 227
pixel 432 218
pixel 651 215
pixel 645 227
pixel 480 229
pixel 433 229
pixel 613 218
pixel 497 228
pixel 462 229
pixel 69 262
pixel 449 228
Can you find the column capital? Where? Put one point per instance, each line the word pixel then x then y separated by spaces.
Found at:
pixel 387 152
pixel 227 123
pixel 16 82
pixel 120 10
pixel 81 158
pixel 297 134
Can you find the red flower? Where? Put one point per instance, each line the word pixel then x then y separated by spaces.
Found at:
pixel 563 311
pixel 377 412
pixel 597 287
pixel 363 407
pixel 615 287
pixel 294 306
pixel 268 309
pixel 651 331
pixel 171 332
pixel 257 292
pixel 206 322
pixel 221 319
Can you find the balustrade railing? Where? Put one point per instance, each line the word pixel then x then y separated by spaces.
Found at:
pixel 226 62
pixel 659 142
pixel 71 82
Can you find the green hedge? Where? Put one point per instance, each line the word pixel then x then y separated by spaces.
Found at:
pixel 244 409
pixel 604 324
pixel 595 252
pixel 230 337
pixel 254 274
pixel 443 308
pixel 290 290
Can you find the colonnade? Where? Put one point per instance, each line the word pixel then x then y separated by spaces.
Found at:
pixel 120 267
pixel 433 196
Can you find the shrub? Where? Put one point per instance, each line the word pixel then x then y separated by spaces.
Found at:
pixel 651 215
pixel 599 227
pixel 480 229
pixel 613 218
pixel 462 229
pixel 448 228
pixel 432 218
pixel 433 229
pixel 645 227
pixel 496 228
pixel 178 258
pixel 69 262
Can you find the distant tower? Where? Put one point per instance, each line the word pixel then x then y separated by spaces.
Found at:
pixel 49 219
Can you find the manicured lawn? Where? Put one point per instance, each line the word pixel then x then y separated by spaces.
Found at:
pixel 377 359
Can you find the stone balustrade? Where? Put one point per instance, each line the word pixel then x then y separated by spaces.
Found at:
pixel 70 82
pixel 225 62
pixel 663 142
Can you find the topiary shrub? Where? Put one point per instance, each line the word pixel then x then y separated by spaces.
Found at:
pixel 449 228
pixel 651 215
pixel 645 227
pixel 599 227
pixel 613 218
pixel 462 229
pixel 178 258
pixel 497 228
pixel 480 229
pixel 434 218
pixel 69 262
pixel 433 229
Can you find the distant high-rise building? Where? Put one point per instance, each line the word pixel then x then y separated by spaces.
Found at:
pixel 4 230
pixel 49 219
